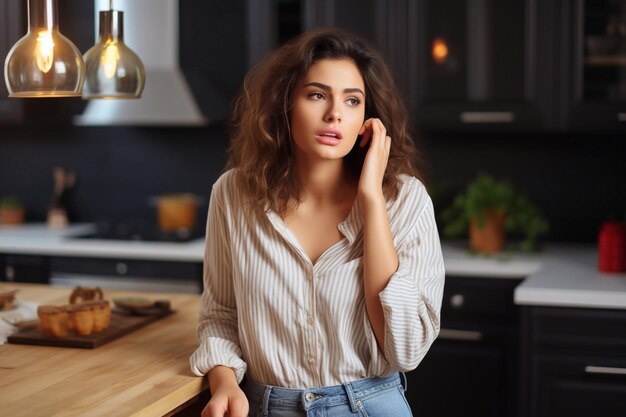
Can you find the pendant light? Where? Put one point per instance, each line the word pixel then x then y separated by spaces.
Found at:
pixel 44 63
pixel 113 69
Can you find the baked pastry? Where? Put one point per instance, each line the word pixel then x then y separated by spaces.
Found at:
pixel 82 294
pixel 7 299
pixel 53 320
pixel 101 314
pixel 81 318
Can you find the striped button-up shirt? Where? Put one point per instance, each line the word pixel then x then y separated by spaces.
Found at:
pixel 268 312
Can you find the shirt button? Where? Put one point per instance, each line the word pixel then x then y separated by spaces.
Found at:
pixel 311 360
pixel 309 396
pixel 309 319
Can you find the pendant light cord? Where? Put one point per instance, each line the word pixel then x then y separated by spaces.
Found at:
pixel 110 4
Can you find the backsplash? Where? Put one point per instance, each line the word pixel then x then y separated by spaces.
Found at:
pixel 577 180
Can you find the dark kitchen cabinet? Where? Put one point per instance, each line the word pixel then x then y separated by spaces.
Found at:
pixel 25 268
pixel 593 65
pixel 576 361
pixel 474 64
pixel 272 22
pixel 12 28
pixel 473 364
pixel 127 273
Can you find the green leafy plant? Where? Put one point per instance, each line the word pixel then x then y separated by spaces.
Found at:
pixel 10 203
pixel 485 194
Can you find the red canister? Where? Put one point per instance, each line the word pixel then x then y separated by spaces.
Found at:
pixel 612 247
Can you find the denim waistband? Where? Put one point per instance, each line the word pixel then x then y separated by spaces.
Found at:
pixel 304 399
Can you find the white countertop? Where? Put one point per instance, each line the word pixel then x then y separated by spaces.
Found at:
pixel 569 277
pixel 38 239
pixel 561 275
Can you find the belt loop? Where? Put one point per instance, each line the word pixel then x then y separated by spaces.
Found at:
pixel 266 400
pixel 348 387
pixel 403 380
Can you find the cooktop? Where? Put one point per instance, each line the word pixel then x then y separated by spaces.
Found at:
pixel 139 232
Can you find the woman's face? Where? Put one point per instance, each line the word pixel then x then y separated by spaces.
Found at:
pixel 328 110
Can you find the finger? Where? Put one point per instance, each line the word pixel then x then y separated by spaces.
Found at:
pixel 365 126
pixel 388 143
pixel 378 133
pixel 365 138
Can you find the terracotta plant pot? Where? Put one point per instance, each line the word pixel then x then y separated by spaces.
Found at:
pixel 12 216
pixel 490 237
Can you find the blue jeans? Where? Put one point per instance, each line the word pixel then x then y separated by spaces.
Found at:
pixel 369 397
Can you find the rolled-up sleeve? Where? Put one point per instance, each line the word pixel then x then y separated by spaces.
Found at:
pixel 411 301
pixel 217 325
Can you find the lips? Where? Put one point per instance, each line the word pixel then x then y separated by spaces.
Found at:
pixel 329 136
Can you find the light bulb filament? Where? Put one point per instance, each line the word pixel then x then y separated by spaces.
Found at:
pixel 110 57
pixel 44 51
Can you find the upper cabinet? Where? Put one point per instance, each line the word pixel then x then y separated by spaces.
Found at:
pixel 594 64
pixel 12 28
pixel 472 64
pixel 272 22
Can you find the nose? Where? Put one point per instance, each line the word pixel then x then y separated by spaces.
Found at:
pixel 334 112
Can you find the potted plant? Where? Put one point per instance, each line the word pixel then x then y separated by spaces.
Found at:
pixel 490 208
pixel 11 211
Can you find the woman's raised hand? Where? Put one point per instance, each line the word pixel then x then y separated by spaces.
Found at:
pixel 373 171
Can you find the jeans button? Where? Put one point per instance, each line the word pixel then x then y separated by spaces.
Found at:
pixel 309 396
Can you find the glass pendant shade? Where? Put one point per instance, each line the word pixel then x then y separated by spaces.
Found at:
pixel 44 63
pixel 113 69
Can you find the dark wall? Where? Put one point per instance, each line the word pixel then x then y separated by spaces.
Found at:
pixel 578 181
pixel 117 168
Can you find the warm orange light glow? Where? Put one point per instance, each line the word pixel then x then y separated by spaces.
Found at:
pixel 110 57
pixel 440 50
pixel 44 51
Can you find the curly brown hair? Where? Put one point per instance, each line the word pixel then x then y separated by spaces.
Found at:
pixel 261 146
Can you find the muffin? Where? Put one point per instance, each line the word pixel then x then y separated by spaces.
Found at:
pixel 101 314
pixel 53 320
pixel 81 318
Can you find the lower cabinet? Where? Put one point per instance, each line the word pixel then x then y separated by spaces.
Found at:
pixel 122 274
pixel 472 368
pixel 25 268
pixel 577 362
pixel 127 274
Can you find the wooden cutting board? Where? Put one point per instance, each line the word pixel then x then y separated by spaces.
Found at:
pixel 121 324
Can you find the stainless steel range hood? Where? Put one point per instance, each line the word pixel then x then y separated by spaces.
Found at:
pixel 151 30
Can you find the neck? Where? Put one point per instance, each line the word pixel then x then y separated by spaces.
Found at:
pixel 323 180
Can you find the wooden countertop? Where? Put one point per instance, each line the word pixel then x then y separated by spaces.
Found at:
pixel 145 373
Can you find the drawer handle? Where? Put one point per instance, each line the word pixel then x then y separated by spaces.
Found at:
pixel 468 335
pixel 605 370
pixel 487 117
pixel 121 268
pixel 457 300
pixel 9 272
pixel 621 117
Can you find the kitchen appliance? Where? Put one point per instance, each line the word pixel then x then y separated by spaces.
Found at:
pixel 139 231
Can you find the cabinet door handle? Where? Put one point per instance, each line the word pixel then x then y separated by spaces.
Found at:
pixel 453 334
pixel 605 370
pixel 9 273
pixel 487 116
pixel 621 117
pixel 121 268
pixel 457 300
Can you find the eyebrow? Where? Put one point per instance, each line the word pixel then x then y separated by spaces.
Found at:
pixel 328 88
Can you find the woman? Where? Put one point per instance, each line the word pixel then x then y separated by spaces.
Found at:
pixel 323 268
